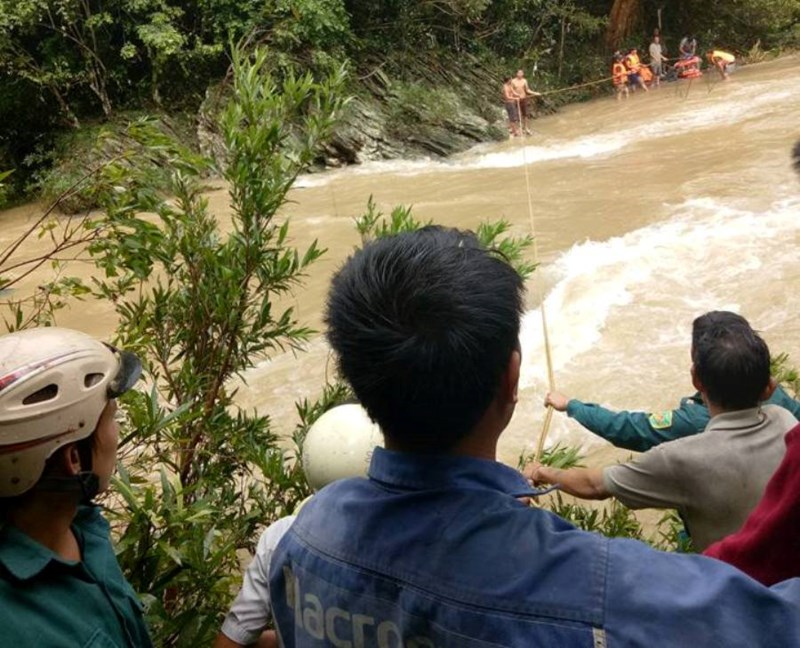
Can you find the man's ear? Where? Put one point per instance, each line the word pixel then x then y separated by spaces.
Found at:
pixel 696 381
pixel 772 385
pixel 70 459
pixel 511 381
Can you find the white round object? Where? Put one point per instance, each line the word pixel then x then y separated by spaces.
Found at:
pixel 339 445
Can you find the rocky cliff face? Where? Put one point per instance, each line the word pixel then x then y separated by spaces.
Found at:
pixel 388 119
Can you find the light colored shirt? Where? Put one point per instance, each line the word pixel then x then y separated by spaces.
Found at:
pixel 250 612
pixel 655 53
pixel 714 479
pixel 688 47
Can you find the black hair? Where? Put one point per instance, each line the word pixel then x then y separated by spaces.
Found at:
pixel 730 360
pixel 711 319
pixel 506 79
pixel 424 325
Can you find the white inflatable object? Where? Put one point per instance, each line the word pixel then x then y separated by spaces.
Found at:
pixel 339 445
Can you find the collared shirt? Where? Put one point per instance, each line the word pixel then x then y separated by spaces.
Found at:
pixel 641 431
pixel 655 53
pixel 714 479
pixel 250 613
pixel 768 544
pixel 438 552
pixel 50 602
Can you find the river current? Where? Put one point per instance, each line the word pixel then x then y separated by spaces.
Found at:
pixel 647 212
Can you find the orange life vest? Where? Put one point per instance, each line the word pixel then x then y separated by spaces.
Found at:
pixel 620 74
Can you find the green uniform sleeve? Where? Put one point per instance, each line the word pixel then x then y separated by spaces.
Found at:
pixel 781 398
pixel 639 431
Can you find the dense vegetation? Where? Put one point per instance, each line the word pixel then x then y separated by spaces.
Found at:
pixel 72 63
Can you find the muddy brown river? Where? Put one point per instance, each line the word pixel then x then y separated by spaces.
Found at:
pixel 648 213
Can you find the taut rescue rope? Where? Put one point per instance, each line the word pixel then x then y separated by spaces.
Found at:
pixel 548 354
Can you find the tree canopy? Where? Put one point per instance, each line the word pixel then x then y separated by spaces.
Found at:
pixel 66 62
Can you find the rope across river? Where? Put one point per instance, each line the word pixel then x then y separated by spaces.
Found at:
pixel 548 355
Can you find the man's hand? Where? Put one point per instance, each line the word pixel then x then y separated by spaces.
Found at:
pixel 557 401
pixel 538 474
pixel 267 639
pixel 586 483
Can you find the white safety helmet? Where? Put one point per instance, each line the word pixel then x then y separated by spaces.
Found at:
pixel 54 384
pixel 339 445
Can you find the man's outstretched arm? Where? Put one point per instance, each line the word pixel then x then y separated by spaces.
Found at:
pixel 637 431
pixel 586 483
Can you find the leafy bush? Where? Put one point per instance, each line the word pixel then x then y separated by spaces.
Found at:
pixel 196 301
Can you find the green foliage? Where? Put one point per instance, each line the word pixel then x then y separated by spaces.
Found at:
pixel 613 520
pixel 3 187
pixel 671 534
pixel 735 25
pixel 511 248
pixel 411 105
pixel 67 239
pixel 373 223
pixel 197 302
pixel 559 456
pixel 784 373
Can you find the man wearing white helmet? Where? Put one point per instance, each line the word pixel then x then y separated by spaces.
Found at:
pixel 60 582
pixel 339 445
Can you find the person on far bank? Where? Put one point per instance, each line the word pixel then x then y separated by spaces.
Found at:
pixel 520 85
pixel 641 431
pixel 435 547
pixel 634 65
pixel 688 47
pixel 619 77
pixel 714 479
pixel 511 103
pixel 60 582
pixel 656 60
pixel 721 60
pixel 657 34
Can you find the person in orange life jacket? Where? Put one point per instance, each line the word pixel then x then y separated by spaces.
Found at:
pixel 634 65
pixel 619 75
pixel 721 60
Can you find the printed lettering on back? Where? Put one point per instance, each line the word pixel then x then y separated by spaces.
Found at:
pixel 326 614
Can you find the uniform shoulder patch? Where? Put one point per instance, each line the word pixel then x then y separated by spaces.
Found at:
pixel 660 420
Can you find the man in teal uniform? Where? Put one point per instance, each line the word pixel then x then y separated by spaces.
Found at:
pixel 60 583
pixel 641 431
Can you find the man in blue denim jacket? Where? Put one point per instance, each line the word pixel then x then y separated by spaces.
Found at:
pixel 435 549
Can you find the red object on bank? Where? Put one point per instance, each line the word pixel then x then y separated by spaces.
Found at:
pixel 767 547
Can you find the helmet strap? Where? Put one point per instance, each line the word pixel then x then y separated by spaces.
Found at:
pixel 85 482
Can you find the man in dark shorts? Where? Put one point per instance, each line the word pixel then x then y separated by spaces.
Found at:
pixel 520 85
pixel 511 102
